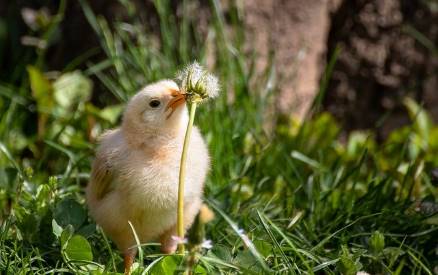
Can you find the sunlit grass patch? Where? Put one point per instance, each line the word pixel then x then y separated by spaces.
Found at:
pixel 292 200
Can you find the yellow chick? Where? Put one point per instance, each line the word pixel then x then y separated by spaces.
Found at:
pixel 135 174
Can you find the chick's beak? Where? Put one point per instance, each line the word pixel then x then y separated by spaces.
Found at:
pixel 177 100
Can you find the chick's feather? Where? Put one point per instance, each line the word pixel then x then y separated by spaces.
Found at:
pixel 138 182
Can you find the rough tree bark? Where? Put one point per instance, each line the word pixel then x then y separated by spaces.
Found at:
pixel 296 32
pixel 389 51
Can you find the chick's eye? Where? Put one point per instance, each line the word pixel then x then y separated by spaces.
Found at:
pixel 154 103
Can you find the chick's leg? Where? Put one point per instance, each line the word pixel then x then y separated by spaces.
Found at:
pixel 169 244
pixel 129 256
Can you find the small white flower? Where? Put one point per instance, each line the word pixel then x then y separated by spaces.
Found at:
pixel 207 244
pixel 362 273
pixel 179 240
pixel 197 83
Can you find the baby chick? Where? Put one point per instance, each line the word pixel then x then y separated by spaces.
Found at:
pixel 135 174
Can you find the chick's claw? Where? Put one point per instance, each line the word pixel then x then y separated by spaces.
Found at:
pixel 128 258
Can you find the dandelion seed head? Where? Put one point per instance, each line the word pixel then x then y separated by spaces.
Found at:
pixel 197 83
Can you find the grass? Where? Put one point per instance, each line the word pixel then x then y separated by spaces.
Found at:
pixel 293 199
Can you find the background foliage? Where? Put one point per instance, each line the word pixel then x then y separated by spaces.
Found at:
pixel 289 196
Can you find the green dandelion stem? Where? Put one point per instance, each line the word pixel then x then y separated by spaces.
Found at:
pixel 182 173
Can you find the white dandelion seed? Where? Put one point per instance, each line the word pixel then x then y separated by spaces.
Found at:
pixel 197 83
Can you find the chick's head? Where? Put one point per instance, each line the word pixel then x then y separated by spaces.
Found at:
pixel 159 108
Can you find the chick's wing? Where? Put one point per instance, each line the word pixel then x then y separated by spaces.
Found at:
pixel 102 176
